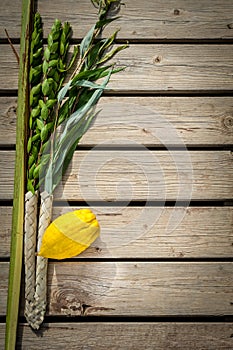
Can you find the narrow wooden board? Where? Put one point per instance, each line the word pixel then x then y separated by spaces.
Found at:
pixel 135 288
pixel 8 107
pixel 139 20
pixel 155 68
pixel 202 121
pixel 130 233
pixel 142 175
pixel 125 336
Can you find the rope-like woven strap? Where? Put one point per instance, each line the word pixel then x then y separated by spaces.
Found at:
pixel 30 229
pixel 39 305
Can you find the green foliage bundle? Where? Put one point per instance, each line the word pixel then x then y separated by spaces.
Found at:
pixel 53 103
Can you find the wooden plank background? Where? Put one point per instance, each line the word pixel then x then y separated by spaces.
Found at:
pixel 175 92
pixel 135 288
pixel 198 121
pixel 153 175
pixel 158 67
pixel 123 335
pixel 203 232
pixel 154 20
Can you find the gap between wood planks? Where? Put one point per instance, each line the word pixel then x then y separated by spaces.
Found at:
pixel 149 41
pixel 131 319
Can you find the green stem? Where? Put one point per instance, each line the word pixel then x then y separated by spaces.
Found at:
pixel 19 187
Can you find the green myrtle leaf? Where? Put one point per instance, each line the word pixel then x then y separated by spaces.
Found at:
pixel 31 160
pixel 34 151
pixel 45 67
pixel 37 39
pixel 47 54
pixel 44 112
pixel 29 145
pixel 46 88
pixel 61 65
pixel 31 170
pixel 40 124
pixel 51 72
pixel 30 186
pixel 44 133
pixel 35 138
pixel 50 103
pixel 35 74
pixel 52 94
pixel 36 171
pixel 50 39
pixel 41 103
pixel 30 122
pixel 35 90
pixel 66 30
pixel 56 77
pixel 53 63
pixel 34 34
pixel 35 112
pixel 54 47
pixel 31 99
pixel 38 53
pixel 50 126
pixel 56 25
pixel 62 48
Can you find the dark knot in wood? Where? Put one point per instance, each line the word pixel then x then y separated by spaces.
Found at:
pixel 227 123
pixel 176 12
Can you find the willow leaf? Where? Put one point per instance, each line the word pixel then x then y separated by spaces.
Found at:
pixel 77 116
pixel 86 107
pixel 112 53
pixel 72 60
pixel 85 43
pixel 108 42
pixel 88 84
pixel 92 74
pixel 74 136
pixel 62 93
pixel 102 23
pixel 76 126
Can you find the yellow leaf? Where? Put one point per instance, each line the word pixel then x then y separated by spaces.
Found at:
pixel 69 234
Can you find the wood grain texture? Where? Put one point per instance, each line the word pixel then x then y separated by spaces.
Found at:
pixel 125 336
pixel 155 68
pixel 201 121
pixel 142 175
pixel 143 233
pixel 135 288
pixel 148 175
pixel 139 20
pixel 8 107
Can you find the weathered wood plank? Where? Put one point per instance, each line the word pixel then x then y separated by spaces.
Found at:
pixel 197 121
pixel 8 107
pixel 137 175
pixel 135 289
pixel 139 20
pixel 157 68
pixel 147 175
pixel 197 232
pixel 126 336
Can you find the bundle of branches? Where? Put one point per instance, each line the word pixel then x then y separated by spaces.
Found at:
pixel 55 106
